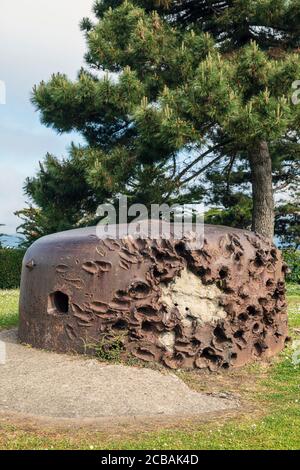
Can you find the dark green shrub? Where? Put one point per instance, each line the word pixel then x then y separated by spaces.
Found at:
pixel 292 258
pixel 10 267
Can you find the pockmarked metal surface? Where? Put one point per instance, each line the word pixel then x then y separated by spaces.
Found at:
pixel 219 306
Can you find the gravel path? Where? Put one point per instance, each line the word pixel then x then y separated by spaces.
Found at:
pixel 44 384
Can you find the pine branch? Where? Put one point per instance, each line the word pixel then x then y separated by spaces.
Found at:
pixel 200 157
pixel 202 170
pixel 229 169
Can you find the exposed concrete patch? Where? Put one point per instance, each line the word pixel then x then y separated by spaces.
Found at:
pixel 45 384
pixel 167 339
pixel 193 299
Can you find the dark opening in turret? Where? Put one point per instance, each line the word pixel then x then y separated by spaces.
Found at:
pixel 58 303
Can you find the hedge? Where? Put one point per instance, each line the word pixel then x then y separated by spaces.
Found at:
pixel 10 267
pixel 292 258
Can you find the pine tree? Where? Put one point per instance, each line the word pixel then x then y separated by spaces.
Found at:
pixel 274 26
pixel 172 92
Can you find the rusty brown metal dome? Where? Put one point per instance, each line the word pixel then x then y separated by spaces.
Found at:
pixel 222 305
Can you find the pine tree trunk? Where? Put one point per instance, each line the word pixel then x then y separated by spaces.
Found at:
pixel 262 190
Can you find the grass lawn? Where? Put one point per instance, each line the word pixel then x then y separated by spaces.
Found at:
pixel 270 419
pixel 9 300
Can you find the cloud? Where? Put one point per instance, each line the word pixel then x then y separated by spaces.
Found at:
pixel 11 197
pixel 37 38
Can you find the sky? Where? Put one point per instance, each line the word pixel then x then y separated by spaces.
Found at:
pixel 37 38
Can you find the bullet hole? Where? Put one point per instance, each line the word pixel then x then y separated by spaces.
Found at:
pixel 203 271
pixel 263 301
pixel 258 261
pixel 159 256
pixel 156 272
pixel 90 267
pixel 238 256
pixel 209 353
pixel 99 307
pixel 120 325
pixel 180 249
pixel 243 316
pixel 104 266
pixel 252 310
pixel 258 349
pixel 121 293
pixel 195 343
pixel 223 273
pixel 144 354
pixel 226 290
pixel 276 294
pixel 62 268
pixel 139 290
pixel 190 318
pixel 147 326
pixel 147 310
pixel 220 335
pixel 58 302
pixel 239 334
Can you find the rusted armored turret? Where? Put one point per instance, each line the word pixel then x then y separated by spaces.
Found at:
pixel 219 306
